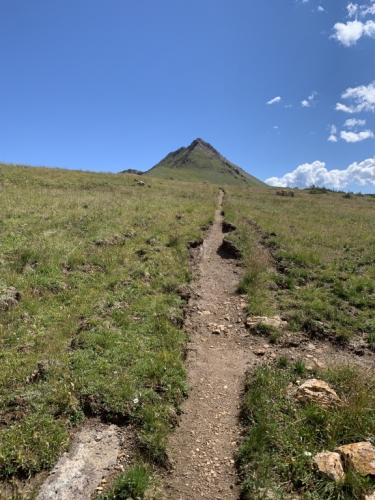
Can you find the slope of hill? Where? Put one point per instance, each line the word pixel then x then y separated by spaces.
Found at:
pixel 201 162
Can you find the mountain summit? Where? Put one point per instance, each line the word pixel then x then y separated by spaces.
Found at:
pixel 201 162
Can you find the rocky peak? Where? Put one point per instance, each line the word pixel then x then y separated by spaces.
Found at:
pixel 203 145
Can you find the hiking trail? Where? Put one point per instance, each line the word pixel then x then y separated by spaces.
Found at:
pixel 201 449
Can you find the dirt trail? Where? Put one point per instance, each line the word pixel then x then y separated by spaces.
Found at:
pixel 202 448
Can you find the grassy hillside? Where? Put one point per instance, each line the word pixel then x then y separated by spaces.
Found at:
pixel 90 313
pixel 201 162
pixel 92 267
pixel 310 257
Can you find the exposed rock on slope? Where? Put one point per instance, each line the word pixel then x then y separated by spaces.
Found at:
pixel 201 162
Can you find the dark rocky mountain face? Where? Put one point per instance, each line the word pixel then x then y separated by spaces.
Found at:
pixel 200 161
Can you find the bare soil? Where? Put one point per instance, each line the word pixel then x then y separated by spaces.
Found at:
pixel 202 448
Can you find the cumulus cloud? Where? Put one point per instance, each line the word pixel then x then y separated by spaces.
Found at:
pixel 352 133
pixel 350 136
pixel 360 174
pixel 274 100
pixel 354 123
pixel 362 99
pixel 349 33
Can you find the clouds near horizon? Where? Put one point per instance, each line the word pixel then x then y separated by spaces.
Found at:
pixel 356 175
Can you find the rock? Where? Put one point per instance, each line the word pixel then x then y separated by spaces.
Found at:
pixel 79 472
pixel 260 352
pixel 310 347
pixel 140 183
pixel 317 391
pixel 9 297
pixel 314 364
pixel 359 456
pixel 257 323
pixel 329 463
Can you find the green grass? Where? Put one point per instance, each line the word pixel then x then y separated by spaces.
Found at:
pixel 282 436
pixel 310 257
pixel 97 328
pixel 131 484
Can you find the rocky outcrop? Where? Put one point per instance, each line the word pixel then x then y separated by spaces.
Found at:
pixel 359 457
pixel 317 391
pixel 329 463
pixel 258 323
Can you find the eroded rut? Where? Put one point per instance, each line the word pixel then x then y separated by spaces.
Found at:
pixel 202 448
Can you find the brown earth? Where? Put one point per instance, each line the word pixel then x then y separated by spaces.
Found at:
pixel 202 448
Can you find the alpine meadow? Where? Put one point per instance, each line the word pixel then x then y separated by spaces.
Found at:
pixel 187 250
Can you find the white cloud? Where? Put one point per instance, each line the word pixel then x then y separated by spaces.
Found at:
pixel 352 9
pixel 368 10
pixel 275 100
pixel 357 174
pixel 364 10
pixel 353 134
pixel 307 103
pixel 349 33
pixel 362 97
pixel 354 123
pixel 350 136
pixel 344 108
pixel 333 134
pixel 320 8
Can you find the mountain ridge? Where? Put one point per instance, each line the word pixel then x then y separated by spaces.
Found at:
pixel 200 161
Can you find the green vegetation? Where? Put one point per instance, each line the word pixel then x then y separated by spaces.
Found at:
pixel 201 162
pixel 131 484
pixel 283 435
pixel 91 266
pixel 309 256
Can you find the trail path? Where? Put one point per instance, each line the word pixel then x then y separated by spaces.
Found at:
pixel 202 448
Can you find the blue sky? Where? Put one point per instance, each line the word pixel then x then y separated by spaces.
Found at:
pixel 108 85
